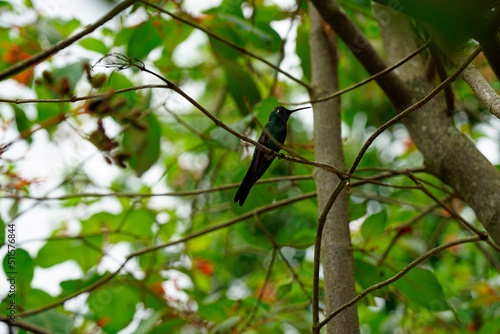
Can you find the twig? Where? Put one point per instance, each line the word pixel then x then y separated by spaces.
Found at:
pixel 278 247
pixel 81 98
pixel 253 313
pixel 175 193
pixel 25 325
pixel 189 126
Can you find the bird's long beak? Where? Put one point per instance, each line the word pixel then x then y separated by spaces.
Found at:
pixel 291 111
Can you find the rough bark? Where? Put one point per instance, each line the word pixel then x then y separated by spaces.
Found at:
pixel 336 249
pixel 448 153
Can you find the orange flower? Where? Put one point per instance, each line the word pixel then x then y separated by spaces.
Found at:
pixel 205 267
pixel 13 55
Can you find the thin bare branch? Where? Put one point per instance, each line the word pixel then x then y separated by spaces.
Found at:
pixel 253 313
pixel 81 98
pixel 278 247
pixel 139 195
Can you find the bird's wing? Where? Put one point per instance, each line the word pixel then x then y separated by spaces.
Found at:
pixel 261 161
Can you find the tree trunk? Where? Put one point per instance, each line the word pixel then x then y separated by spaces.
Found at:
pixel 336 249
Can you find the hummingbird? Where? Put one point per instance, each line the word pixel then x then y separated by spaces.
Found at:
pixel 276 127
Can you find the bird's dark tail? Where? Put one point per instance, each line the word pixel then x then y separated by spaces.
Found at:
pixel 244 189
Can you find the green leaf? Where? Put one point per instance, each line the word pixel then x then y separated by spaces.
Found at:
pixel 73 72
pixel 66 27
pixel 303 50
pixel 143 145
pixel 123 37
pixel 491 327
pixel 94 44
pixel 216 311
pixel 169 326
pixel 422 287
pixel 241 87
pixel 46 29
pixel 114 305
pixel 22 122
pixel 36 297
pixel 14 209
pixel 373 227
pixel 81 251
pixel 71 286
pixel 174 33
pixel 137 222
pixel 356 210
pixel 2 230
pixel 262 39
pixel 227 326
pixel 147 325
pixel 368 274
pixel 46 110
pixel 52 320
pixel 18 266
pixel 144 38
pixel 5 6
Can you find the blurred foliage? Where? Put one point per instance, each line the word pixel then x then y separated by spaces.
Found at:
pixel 211 282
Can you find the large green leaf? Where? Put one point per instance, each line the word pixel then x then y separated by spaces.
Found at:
pixel 143 39
pixel 143 145
pixel 72 72
pixel 52 320
pixel 367 274
pixel 80 250
pixel 22 122
pixel 148 324
pixel 18 267
pixel 422 287
pixel 94 44
pixel 174 33
pixel 303 50
pixel 373 227
pixel 114 305
pixel 2 230
pixel 46 110
pixel 71 286
pixel 241 86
